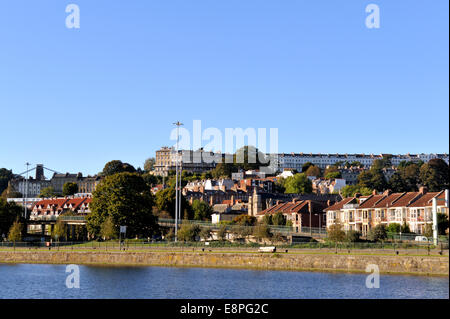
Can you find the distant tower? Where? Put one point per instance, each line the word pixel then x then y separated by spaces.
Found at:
pixel 40 172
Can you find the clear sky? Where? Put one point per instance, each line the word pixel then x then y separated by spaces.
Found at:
pixel 74 99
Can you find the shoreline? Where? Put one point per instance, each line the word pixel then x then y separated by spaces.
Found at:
pixel 388 265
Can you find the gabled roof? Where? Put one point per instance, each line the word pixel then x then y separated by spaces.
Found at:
pixel 340 205
pixel 426 200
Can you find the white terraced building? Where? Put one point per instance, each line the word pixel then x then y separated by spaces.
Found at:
pixel 297 160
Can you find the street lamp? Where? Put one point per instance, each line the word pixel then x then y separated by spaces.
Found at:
pixel 177 206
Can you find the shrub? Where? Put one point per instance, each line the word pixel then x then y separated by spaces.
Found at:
pixel 352 236
pixel 378 233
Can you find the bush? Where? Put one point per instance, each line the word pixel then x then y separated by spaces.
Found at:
pixel 335 232
pixel 188 232
pixel 378 233
pixel 352 236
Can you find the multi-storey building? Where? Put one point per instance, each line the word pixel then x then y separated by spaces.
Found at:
pixel 361 213
pixel 297 160
pixel 191 161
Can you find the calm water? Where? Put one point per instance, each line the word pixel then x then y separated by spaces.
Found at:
pixel 49 281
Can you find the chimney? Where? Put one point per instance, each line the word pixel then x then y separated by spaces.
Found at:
pixel 211 201
pixel 423 190
pixel 294 200
pixel 387 192
pixel 374 192
pixel 357 195
pixel 232 200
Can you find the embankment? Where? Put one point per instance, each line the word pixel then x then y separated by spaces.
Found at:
pixel 419 265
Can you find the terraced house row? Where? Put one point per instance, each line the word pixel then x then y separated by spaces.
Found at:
pixel 361 213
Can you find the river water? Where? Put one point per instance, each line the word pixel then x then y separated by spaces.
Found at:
pixel 49 282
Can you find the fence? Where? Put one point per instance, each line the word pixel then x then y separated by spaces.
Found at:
pixel 128 244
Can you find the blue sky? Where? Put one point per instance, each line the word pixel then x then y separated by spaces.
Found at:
pixel 74 99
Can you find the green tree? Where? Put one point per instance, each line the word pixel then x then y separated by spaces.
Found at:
pixel 248 158
pixel 70 188
pixel 15 232
pixel 9 212
pixel 434 175
pixel 351 190
pixel 279 219
pixel 201 210
pixel 377 233
pixel 352 236
pixel 127 199
pixel 245 220
pixel 333 175
pixel 299 183
pixel 148 164
pixel 267 219
pixel 116 166
pixel 59 231
pixel 428 231
pixel 313 171
pixel 262 232
pixel 205 233
pixel 165 202
pixel 442 220
pixel 48 192
pixel 189 232
pixel 222 232
pixel 394 228
pixel 223 170
pixel 108 229
pixel 335 232
pixel 5 176
pixel 306 166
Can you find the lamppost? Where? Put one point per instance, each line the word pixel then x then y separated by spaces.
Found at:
pixel 26 193
pixel 177 206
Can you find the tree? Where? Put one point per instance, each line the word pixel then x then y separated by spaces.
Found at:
pixel 222 232
pixel 335 232
pixel 313 171
pixel 434 175
pixel 148 164
pixel 9 212
pixel 352 236
pixel 442 220
pixel 48 192
pixel 373 179
pixel 127 199
pixel 108 229
pixel 267 219
pixel 205 233
pixel 351 190
pixel 377 233
pixel 222 170
pixel 165 202
pixel 201 210
pixel 279 219
pixel 333 175
pixel 428 231
pixel 262 232
pixel 70 188
pixel 189 232
pixel 248 158
pixel 245 220
pixel 394 228
pixel 5 176
pixel 298 183
pixel 306 166
pixel 116 166
pixel 15 232
pixel 59 231
pixel 10 192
